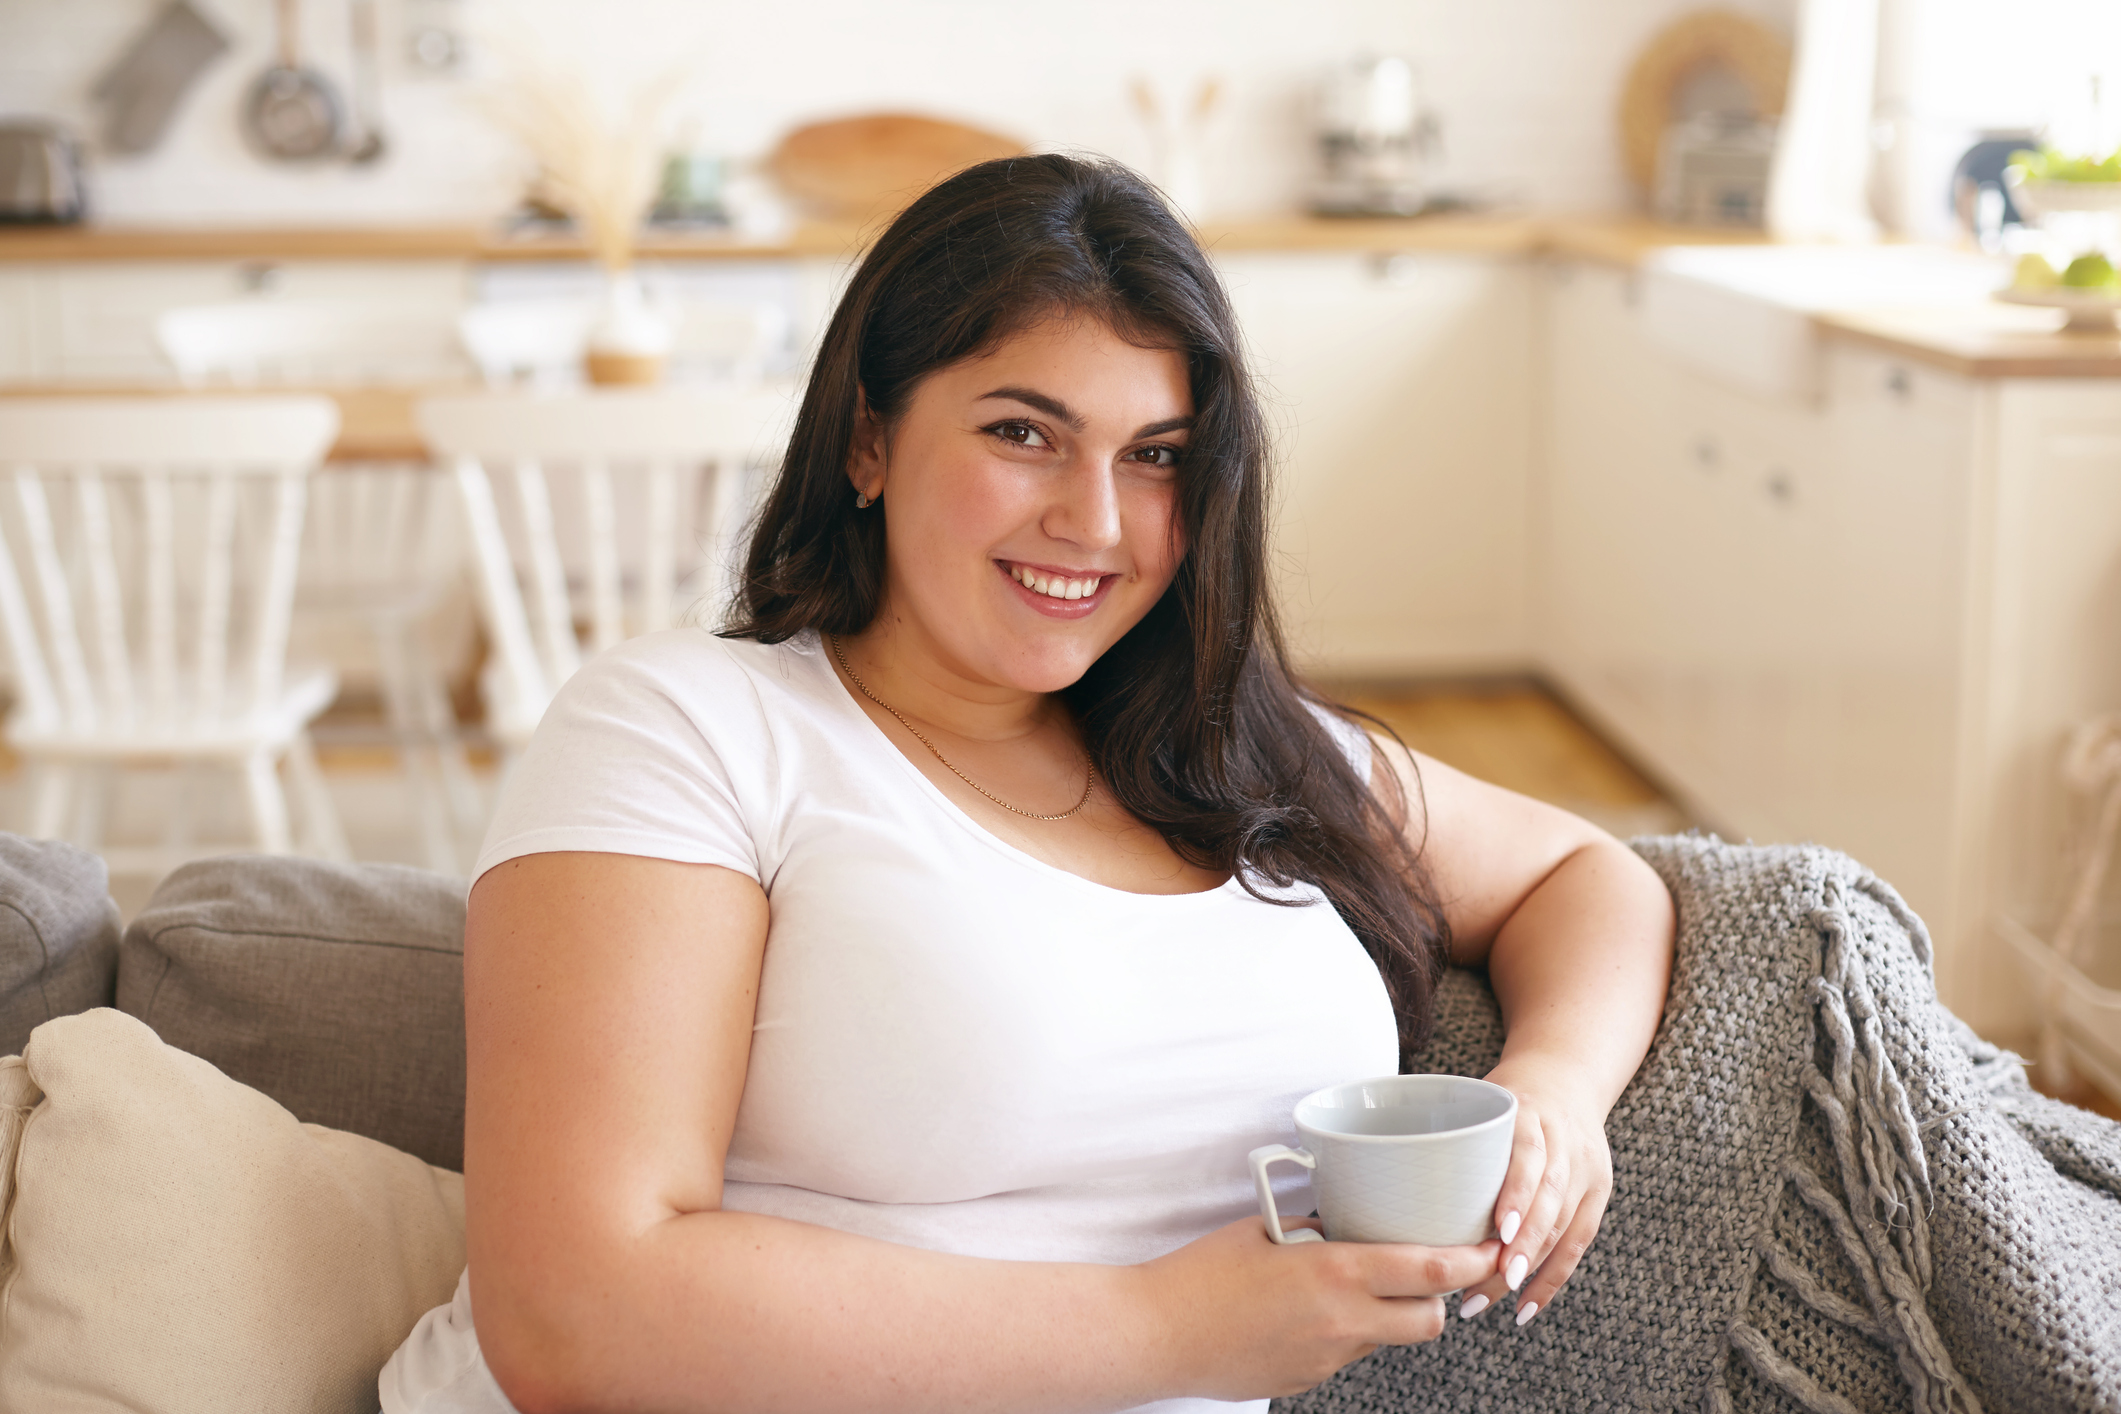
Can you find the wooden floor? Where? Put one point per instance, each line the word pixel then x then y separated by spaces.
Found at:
pixel 1520 737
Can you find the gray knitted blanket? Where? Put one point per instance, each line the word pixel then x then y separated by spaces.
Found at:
pixel 1830 1196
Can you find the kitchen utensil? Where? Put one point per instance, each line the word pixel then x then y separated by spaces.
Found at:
pixel 1713 171
pixel 1402 1158
pixel 40 175
pixel 1713 50
pixel 1979 194
pixel 369 147
pixel 1374 138
pixel 292 114
pixel 863 168
pixel 141 90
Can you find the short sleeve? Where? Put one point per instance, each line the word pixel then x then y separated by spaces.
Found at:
pixel 1352 740
pixel 634 756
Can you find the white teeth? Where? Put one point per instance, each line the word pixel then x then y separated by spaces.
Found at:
pixel 1055 587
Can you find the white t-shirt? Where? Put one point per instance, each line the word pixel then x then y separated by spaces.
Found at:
pixel 958 1046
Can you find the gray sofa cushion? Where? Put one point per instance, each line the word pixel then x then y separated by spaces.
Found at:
pixel 58 936
pixel 337 989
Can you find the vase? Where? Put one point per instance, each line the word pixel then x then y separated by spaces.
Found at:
pixel 629 342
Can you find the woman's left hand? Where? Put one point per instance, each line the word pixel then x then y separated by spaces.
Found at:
pixel 1555 1193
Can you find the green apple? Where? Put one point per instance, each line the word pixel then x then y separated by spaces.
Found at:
pixel 2090 272
pixel 2048 165
pixel 2034 272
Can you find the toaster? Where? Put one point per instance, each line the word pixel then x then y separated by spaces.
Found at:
pixel 40 175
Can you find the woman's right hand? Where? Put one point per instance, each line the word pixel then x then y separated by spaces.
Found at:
pixel 1256 1318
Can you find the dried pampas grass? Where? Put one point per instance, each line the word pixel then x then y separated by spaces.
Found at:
pixel 603 169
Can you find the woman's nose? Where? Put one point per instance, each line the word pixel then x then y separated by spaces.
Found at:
pixel 1086 511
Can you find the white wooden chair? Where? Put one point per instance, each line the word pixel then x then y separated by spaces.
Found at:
pixel 382 549
pixel 147 574
pixel 622 512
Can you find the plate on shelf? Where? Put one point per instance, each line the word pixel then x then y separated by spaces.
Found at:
pixel 2089 311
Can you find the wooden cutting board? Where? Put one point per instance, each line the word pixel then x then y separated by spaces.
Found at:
pixel 873 166
pixel 1755 55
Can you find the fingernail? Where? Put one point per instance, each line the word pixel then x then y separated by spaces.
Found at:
pixel 1507 1228
pixel 1472 1306
pixel 1514 1273
pixel 1527 1311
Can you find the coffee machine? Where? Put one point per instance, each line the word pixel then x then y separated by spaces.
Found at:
pixel 1375 138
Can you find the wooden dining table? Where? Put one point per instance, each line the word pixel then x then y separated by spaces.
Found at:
pixel 376 424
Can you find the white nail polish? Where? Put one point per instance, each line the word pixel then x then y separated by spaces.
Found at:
pixel 1471 1307
pixel 1527 1311
pixel 1507 1228
pixel 1514 1273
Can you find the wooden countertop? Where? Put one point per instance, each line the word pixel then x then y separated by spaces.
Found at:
pixel 266 243
pixel 1467 233
pixel 1983 340
pixel 375 424
pixel 1977 340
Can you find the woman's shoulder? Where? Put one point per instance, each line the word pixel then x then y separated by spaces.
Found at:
pixel 702 672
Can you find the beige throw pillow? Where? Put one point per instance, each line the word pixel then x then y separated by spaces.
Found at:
pixel 174 1241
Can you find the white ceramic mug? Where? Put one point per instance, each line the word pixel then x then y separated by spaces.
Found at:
pixel 1402 1158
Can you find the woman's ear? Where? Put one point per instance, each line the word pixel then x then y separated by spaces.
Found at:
pixel 867 456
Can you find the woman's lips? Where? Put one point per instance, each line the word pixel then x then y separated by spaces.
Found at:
pixel 1089 588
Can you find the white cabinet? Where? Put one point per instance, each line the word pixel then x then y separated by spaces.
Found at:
pixel 1400 388
pixel 1865 620
pixel 19 324
pixel 100 317
pixel 94 321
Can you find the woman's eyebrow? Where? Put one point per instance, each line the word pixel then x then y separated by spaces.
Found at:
pixel 1051 407
pixel 1054 407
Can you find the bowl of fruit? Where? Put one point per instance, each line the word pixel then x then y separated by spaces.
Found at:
pixel 2088 288
pixel 2045 181
pixel 2076 202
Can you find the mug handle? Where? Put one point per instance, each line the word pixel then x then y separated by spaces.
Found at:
pixel 1273 1154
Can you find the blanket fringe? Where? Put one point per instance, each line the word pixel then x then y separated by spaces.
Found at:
pixel 1881 1214
pixel 1768 1363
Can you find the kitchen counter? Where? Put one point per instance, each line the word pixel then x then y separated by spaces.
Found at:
pixel 1619 240
pixel 376 424
pixel 268 243
pixel 1978 339
pixel 1983 341
pixel 1482 234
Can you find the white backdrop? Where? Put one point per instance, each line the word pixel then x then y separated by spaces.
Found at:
pixel 1526 88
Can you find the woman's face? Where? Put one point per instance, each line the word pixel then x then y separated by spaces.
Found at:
pixel 1032 495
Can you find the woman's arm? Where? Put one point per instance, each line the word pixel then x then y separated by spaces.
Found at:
pixel 609 1004
pixel 1576 932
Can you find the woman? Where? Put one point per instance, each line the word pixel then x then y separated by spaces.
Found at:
pixel 872 1007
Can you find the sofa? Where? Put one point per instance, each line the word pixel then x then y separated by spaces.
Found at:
pixel 230 1135
pixel 229 1157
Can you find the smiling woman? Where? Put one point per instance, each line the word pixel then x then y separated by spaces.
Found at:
pixel 873 1006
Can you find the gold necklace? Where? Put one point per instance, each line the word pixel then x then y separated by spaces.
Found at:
pixel 1089 779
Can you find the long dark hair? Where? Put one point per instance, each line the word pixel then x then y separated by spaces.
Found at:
pixel 1194 718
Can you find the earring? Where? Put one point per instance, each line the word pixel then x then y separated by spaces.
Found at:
pixel 863 501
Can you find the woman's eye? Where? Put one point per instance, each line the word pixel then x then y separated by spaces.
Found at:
pixel 1157 456
pixel 1023 434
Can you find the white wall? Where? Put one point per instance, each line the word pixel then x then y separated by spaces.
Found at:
pixel 1527 88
